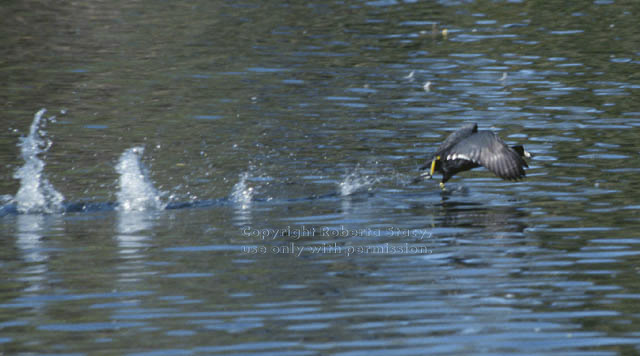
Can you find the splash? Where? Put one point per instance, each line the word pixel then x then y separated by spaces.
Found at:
pixel 241 193
pixel 356 182
pixel 36 194
pixel 136 192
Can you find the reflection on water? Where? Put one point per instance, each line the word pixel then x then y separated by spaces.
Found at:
pixel 33 252
pixel 322 245
pixel 242 198
pixel 30 228
pixel 132 238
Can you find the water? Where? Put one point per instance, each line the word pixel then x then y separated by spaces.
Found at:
pixel 235 178
pixel 135 191
pixel 355 182
pixel 241 193
pixel 36 194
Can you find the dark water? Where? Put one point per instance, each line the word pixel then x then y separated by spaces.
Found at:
pixel 285 135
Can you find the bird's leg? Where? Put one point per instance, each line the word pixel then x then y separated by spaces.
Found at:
pixel 442 185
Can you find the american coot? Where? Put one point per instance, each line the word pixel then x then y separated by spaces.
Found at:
pixel 469 148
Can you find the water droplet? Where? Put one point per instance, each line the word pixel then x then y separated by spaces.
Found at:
pixel 241 193
pixel 427 86
pixel 36 194
pixel 136 192
pixel 355 182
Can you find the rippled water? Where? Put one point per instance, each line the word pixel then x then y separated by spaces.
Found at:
pixel 235 178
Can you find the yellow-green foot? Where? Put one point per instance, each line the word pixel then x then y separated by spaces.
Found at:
pixel 442 185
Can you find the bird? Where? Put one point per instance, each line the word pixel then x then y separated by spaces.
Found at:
pixel 468 148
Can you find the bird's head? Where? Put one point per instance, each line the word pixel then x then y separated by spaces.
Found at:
pixel 522 152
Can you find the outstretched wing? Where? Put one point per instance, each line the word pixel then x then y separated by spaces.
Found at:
pixel 451 140
pixel 487 149
pixel 459 135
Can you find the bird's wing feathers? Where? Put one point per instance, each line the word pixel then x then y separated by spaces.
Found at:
pixel 487 149
pixel 451 140
pixel 457 136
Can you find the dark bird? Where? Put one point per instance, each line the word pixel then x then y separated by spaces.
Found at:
pixel 469 148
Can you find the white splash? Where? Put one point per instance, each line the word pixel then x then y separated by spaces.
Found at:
pixel 136 192
pixel 356 182
pixel 427 86
pixel 410 76
pixel 241 193
pixel 36 194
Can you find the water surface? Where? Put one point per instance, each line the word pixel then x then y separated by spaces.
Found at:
pixel 234 178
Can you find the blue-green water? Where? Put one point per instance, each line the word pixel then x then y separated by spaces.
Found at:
pixel 236 178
